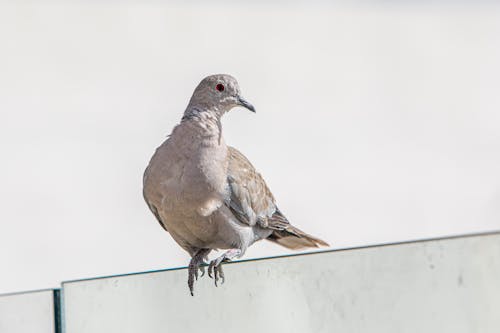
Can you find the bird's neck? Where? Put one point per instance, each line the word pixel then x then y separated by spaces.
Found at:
pixel 204 122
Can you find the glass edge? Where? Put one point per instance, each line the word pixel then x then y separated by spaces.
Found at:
pixel 362 247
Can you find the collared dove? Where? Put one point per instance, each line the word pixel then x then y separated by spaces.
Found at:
pixel 206 194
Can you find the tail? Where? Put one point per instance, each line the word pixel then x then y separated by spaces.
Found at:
pixel 295 239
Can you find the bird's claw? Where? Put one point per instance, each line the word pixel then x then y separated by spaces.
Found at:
pixel 215 269
pixel 196 264
pixel 201 268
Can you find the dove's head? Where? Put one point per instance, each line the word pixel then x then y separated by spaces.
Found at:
pixel 219 93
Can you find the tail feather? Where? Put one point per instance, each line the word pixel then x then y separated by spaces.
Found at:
pixel 295 239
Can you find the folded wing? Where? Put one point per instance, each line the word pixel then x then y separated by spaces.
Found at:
pixel 252 203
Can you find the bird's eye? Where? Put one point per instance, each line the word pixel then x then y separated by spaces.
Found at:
pixel 219 87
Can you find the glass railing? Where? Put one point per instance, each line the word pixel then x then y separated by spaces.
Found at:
pixel 441 285
pixel 30 312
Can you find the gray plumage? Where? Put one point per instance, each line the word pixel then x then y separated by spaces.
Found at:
pixel 206 194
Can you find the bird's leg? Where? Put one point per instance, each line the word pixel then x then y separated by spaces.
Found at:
pixel 197 262
pixel 215 266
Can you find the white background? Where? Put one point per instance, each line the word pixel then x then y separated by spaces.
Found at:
pixel 375 122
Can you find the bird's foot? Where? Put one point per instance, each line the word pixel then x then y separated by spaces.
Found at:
pixel 215 267
pixel 196 264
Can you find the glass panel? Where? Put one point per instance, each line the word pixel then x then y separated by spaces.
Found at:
pixel 445 285
pixel 28 312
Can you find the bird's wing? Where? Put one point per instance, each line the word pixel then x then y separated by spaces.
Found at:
pixel 250 199
pixel 252 203
pixel 155 213
pixel 149 202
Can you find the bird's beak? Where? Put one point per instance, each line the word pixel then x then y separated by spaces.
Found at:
pixel 242 102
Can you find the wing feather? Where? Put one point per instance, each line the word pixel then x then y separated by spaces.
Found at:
pixel 250 199
pixel 252 203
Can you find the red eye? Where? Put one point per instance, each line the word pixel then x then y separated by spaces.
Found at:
pixel 219 87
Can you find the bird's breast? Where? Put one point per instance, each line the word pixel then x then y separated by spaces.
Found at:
pixel 190 176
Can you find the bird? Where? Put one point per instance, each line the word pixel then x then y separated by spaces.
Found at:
pixel 206 194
